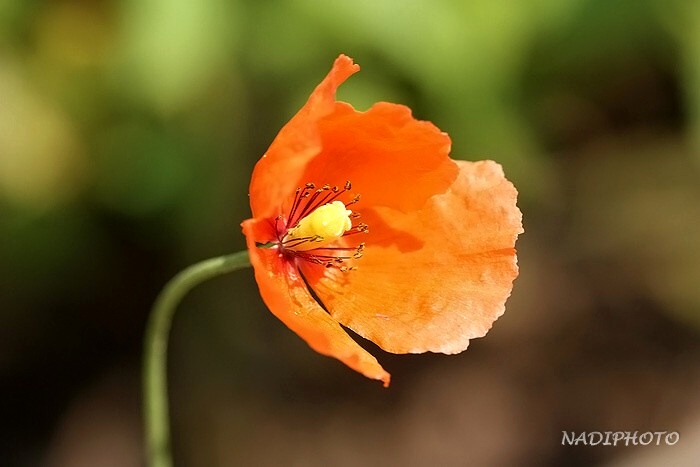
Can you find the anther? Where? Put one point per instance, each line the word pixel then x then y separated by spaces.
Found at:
pixel 354 200
pixel 359 228
pixel 359 251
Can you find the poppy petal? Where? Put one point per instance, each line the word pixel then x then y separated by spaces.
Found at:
pixel 432 279
pixel 286 295
pixel 391 158
pixel 277 173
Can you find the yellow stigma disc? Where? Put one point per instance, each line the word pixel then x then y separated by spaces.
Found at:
pixel 323 226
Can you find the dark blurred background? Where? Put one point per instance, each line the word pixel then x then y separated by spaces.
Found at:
pixel 128 132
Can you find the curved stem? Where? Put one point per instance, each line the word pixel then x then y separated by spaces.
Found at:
pixel 155 387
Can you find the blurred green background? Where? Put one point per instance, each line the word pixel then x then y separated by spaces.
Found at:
pixel 128 132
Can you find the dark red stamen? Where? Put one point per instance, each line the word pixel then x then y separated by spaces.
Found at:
pixel 359 228
pixel 313 202
pixel 310 206
pixel 354 200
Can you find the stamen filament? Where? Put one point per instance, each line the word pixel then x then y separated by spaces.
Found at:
pixel 295 204
pixel 359 228
pixel 298 241
pixel 354 200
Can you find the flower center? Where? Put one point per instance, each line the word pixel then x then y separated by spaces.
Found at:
pixel 322 227
pixel 317 221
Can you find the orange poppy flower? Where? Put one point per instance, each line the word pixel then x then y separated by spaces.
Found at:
pixel 361 219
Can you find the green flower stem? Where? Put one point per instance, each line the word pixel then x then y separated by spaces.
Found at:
pixel 155 387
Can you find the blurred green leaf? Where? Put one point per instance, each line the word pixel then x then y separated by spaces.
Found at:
pixel 174 49
pixel 140 171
